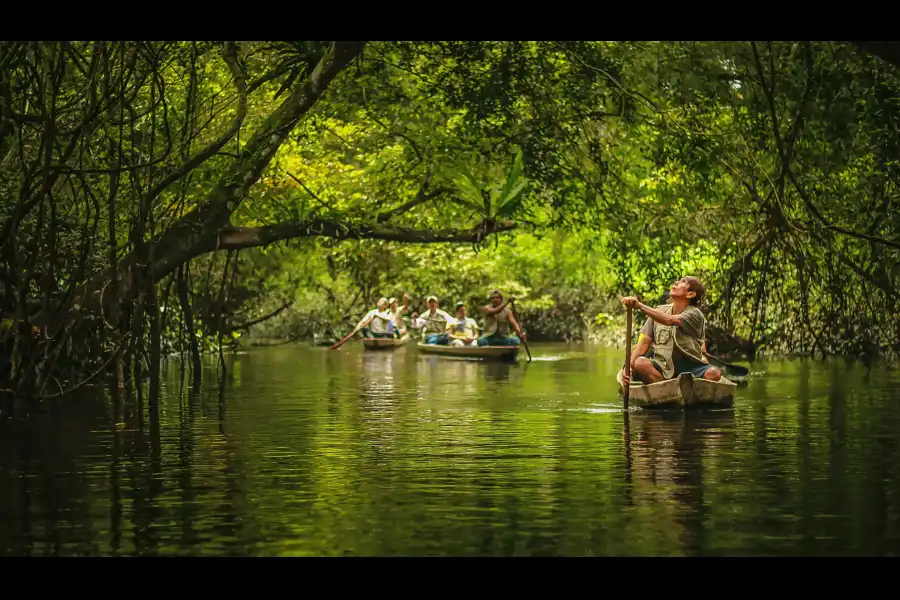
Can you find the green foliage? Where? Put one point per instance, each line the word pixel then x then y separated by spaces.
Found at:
pixel 497 204
pixel 653 160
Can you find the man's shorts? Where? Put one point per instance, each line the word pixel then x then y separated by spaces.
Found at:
pixel 698 370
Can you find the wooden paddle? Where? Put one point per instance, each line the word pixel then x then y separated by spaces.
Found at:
pixel 628 323
pixel 349 335
pixel 735 370
pixel 527 350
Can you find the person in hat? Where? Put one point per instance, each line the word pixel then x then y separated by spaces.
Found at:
pixel 435 323
pixel 676 332
pixel 497 320
pixel 377 322
pixel 397 313
pixel 463 330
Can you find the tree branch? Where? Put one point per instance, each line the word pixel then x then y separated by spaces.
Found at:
pixel 269 76
pixel 234 238
pixel 785 156
pixel 889 291
pixel 421 197
pixel 229 54
pixel 250 324
pixel 196 232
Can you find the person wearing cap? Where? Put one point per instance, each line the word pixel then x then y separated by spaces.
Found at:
pixel 463 330
pixel 497 320
pixel 397 314
pixel 435 323
pixel 377 322
pixel 676 331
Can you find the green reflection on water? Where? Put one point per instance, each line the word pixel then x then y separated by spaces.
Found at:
pixel 323 453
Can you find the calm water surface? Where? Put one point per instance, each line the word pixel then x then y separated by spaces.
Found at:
pixel 317 453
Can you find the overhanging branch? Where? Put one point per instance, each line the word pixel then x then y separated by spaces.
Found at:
pixel 261 319
pixel 234 238
pixel 196 232
pixel 421 197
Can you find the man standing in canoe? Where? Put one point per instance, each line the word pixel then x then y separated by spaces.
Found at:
pixel 676 331
pixel 497 319
pixel 435 323
pixel 463 331
pixel 376 323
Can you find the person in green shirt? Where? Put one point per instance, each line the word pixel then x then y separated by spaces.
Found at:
pixel 498 319
pixel 676 332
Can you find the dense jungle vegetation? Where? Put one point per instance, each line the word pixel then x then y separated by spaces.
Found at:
pixel 172 198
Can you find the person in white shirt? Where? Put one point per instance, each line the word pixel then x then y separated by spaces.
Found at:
pixel 434 331
pixel 377 322
pixel 463 330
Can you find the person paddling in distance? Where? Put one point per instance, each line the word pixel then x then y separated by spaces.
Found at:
pixel 463 331
pixel 377 322
pixel 677 334
pixel 497 320
pixel 435 323
pixel 397 313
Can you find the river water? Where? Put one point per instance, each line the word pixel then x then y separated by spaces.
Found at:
pixel 315 453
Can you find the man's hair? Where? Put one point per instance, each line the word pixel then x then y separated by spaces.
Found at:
pixel 694 285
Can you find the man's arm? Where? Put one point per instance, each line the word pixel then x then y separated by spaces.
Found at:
pixel 365 320
pixel 640 349
pixel 656 315
pixel 489 310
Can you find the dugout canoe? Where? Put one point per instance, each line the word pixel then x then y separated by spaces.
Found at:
pixel 682 392
pixel 382 343
pixel 478 352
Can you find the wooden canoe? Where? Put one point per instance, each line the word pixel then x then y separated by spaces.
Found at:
pixel 382 343
pixel 684 391
pixel 480 352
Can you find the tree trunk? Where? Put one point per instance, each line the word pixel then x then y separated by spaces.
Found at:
pixel 188 313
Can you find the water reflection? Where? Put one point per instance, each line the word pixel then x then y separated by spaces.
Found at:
pixel 381 375
pixel 671 456
pixel 499 371
pixel 311 452
pixel 460 379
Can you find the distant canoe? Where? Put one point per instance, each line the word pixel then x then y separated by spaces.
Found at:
pixel 382 343
pixel 685 391
pixel 482 352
